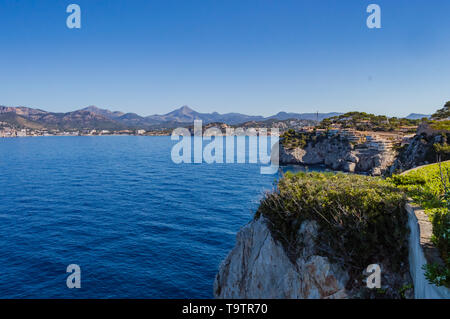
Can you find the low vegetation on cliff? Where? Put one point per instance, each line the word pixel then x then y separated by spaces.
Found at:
pixel 441 126
pixel 429 187
pixel 362 121
pixel 292 139
pixel 439 121
pixel 362 219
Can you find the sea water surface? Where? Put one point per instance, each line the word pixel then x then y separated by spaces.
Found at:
pixel 138 225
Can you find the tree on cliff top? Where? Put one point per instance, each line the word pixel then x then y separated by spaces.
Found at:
pixel 366 122
pixel 443 113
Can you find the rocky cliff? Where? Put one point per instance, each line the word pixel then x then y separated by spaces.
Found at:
pixel 258 267
pixel 419 151
pixel 339 154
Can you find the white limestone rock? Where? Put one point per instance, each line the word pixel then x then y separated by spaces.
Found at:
pixel 258 267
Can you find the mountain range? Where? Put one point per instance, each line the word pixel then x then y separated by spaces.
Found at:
pixel 93 117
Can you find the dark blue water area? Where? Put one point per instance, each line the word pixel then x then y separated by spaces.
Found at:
pixel 138 225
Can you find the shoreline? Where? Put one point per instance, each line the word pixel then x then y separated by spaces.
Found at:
pixel 14 137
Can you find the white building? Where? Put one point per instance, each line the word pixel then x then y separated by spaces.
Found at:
pixel 21 133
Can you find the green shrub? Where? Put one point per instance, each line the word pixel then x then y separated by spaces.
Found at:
pixel 438 274
pixel 292 139
pixel 440 125
pixel 441 231
pixel 442 149
pixel 362 219
pixel 408 180
pixel 443 113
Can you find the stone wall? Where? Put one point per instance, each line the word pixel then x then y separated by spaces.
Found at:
pixel 421 252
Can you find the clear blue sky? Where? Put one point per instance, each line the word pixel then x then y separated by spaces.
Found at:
pixel 248 56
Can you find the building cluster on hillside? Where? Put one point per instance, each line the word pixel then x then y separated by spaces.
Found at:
pixel 7 131
pixel 369 140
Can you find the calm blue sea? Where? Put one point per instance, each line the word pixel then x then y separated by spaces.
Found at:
pixel 138 225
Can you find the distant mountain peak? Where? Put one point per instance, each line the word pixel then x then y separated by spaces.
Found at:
pixel 186 108
pixel 94 109
pixel 104 112
pixel 417 116
pixel 91 107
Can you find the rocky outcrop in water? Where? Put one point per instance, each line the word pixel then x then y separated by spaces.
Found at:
pixel 338 154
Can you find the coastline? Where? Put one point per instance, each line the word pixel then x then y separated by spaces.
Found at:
pixel 73 135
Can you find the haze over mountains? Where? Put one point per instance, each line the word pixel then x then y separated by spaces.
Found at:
pixel 93 117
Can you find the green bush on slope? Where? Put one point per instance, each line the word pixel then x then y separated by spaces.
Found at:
pixel 426 187
pixel 292 139
pixel 362 219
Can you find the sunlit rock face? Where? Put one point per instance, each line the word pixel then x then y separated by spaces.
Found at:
pixel 258 267
pixel 339 155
